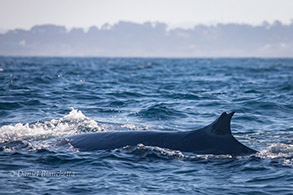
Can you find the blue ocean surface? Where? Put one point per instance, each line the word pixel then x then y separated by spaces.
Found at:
pixel 42 99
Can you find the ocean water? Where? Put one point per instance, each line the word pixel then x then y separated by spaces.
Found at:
pixel 46 98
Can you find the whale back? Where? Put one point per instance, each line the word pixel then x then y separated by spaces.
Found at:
pixel 217 138
pixel 221 126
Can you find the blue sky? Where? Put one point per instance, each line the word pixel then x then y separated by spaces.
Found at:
pixel 176 13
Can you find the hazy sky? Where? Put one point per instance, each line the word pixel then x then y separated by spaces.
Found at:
pixel 184 13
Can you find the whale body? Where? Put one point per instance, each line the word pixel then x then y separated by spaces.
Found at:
pixel 215 138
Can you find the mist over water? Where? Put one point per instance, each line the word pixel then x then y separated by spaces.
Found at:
pixel 152 39
pixel 46 98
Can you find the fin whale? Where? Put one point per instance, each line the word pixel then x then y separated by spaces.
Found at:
pixel 215 138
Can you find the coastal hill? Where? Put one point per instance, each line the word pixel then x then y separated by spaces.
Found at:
pixel 128 39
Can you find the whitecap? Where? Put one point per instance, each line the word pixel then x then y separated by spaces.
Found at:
pixel 283 153
pixel 73 123
pixel 277 151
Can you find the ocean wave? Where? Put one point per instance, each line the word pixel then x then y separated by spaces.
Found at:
pixel 153 151
pixel 73 123
pixel 13 145
pixel 277 151
pixel 160 112
pixel 36 137
pixel 283 153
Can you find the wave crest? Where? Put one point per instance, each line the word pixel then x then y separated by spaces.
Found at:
pixel 277 151
pixel 73 123
pixel 282 153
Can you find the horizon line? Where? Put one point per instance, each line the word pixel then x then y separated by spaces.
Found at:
pixel 68 28
pixel 145 57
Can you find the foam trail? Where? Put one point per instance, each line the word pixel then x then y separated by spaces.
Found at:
pixel 280 152
pixel 277 151
pixel 73 123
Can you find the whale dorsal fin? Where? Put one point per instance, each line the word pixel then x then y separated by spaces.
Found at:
pixel 221 126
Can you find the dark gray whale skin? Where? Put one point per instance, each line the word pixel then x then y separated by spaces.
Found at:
pixel 215 138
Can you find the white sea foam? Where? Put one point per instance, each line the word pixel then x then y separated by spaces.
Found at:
pixel 282 152
pixel 158 151
pixel 144 150
pixel 73 123
pixel 277 151
pixel 129 126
